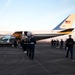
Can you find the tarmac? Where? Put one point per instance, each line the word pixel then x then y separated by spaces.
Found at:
pixel 47 61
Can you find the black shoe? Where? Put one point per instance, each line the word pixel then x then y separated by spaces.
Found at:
pixel 71 58
pixel 66 56
pixel 29 57
pixel 32 58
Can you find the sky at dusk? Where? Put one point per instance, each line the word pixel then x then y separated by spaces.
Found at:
pixel 32 15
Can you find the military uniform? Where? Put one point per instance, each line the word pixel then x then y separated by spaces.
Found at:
pixel 32 43
pixel 69 43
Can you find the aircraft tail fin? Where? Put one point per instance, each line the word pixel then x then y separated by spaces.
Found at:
pixel 66 23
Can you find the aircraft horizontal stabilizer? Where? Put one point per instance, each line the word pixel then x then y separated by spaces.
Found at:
pixel 66 31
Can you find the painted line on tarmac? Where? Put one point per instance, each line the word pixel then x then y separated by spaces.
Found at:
pixel 60 60
pixel 56 60
pixel 41 66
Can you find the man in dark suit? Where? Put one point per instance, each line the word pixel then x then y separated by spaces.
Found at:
pixel 32 42
pixel 69 43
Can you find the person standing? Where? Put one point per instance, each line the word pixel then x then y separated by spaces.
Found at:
pixel 32 42
pixel 22 44
pixel 61 44
pixel 69 43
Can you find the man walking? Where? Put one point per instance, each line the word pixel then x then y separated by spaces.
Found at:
pixel 32 43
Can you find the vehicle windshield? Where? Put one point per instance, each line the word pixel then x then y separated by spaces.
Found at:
pixel 7 39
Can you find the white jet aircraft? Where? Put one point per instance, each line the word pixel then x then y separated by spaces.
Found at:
pixel 63 28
